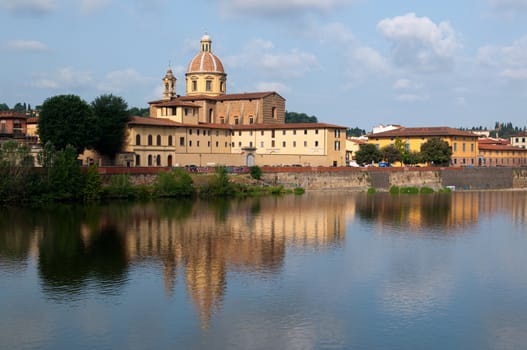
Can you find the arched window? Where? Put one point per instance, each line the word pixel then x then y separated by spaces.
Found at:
pixel 149 140
pixel 137 160
pixel 274 112
pixel 137 139
pixel 158 160
pixel 169 160
pixel 170 140
pixel 158 140
pixel 222 120
pixel 149 160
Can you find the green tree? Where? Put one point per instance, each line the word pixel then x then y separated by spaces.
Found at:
pixel 368 153
pixel 436 151
pixel 391 154
pixel 140 112
pixel 92 188
pixel 356 132
pixel 174 183
pixel 4 107
pixel 294 117
pixel 67 120
pixel 65 178
pixel 413 158
pixel 16 165
pixel 111 116
pixel 20 107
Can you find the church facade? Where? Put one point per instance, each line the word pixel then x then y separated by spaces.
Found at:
pixel 207 126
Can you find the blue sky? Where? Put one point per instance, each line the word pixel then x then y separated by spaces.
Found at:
pixel 349 62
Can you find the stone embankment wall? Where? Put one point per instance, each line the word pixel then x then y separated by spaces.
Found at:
pixel 362 178
pixel 436 178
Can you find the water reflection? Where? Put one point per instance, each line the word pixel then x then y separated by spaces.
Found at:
pixel 199 244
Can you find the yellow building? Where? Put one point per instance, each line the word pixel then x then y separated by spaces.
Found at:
pixel 464 144
pixel 494 152
pixel 207 126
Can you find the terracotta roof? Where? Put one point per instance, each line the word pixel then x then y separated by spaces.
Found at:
pixel 166 122
pixel 429 131
pixel 226 97
pixel 174 103
pixel 205 62
pixel 12 114
pixel 499 147
pixel 32 120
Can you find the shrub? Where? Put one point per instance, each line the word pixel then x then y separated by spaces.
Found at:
pixel 174 183
pixel 256 172
pixel 120 187
pixel 220 186
pixel 92 184
pixel 372 190
pixel 298 190
pixel 394 190
pixel 409 190
pixel 426 190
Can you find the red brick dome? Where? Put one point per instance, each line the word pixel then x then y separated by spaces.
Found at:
pixel 205 62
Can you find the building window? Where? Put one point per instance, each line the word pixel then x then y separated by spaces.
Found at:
pixel 149 160
pixel 272 134
pixel 197 143
pixel 283 144
pixel 222 120
pixel 239 133
pixel 137 160
pixel 455 146
pixel 251 144
pixel 190 131
pixel 471 147
pixel 222 86
pixel 463 146
pixel 305 131
pixel 294 132
pixel 236 121
pixel 194 85
pixel 217 144
pixel 232 144
pixel 182 141
pixel 239 144
pixel 283 132
pixel 170 140
pixel 158 160
pixel 262 144
pixel 337 133
pixel 251 120
pixel 149 140
pixel 190 143
pixel 158 139
pixel 273 111
pixel 337 145
pixel 208 143
pixel 305 143
pixel 208 85
pixel 251 133
pixel 407 147
pixel 217 133
pixel 316 143
pixel 294 143
pixel 226 145
pixel 316 131
pixel 137 139
pixel 272 143
pixel 197 132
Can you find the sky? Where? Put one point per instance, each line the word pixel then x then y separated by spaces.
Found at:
pixel 355 63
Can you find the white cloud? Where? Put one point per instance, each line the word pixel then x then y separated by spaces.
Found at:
pixel 370 59
pixel 278 7
pixel 420 44
pixel 28 7
pixel 92 6
pixel 64 78
pixel 26 46
pixel 509 61
pixel 120 80
pixel 509 6
pixel 259 55
pixel 411 98
pixel 273 86
pixel 406 84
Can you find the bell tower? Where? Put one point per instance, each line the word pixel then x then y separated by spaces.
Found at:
pixel 169 83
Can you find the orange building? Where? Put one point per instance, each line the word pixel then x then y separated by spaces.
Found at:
pixel 499 152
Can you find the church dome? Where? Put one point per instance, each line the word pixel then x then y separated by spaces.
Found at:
pixel 205 61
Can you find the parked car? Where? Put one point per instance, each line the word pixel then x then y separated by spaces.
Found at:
pixel 384 165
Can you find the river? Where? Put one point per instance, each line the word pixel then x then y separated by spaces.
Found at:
pixel 325 270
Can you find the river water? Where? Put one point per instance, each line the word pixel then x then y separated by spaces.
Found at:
pixel 319 271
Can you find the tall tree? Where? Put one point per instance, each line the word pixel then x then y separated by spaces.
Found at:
pixel 391 154
pixel 139 112
pixel 4 107
pixel 294 117
pixel 355 132
pixel 367 154
pixel 111 116
pixel 436 151
pixel 66 120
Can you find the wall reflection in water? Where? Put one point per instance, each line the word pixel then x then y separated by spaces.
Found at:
pixel 79 249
